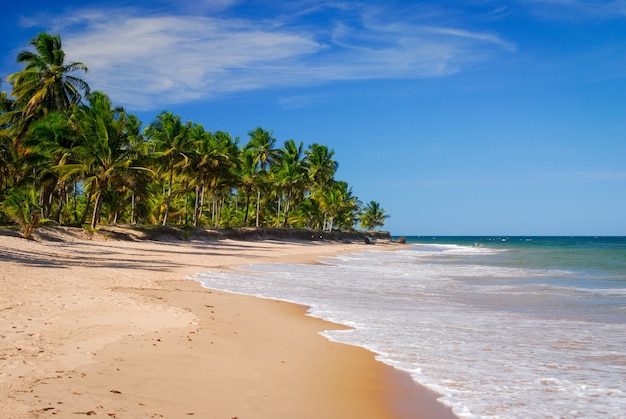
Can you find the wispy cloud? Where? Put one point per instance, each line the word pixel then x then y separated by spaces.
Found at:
pixel 148 61
pixel 578 9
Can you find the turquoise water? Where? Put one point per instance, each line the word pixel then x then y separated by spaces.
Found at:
pixel 501 327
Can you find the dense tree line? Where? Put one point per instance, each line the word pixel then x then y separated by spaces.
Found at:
pixel 69 156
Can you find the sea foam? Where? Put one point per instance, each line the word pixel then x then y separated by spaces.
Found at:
pixel 495 341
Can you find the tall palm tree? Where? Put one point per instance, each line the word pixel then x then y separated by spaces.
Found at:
pixel 373 216
pixel 45 84
pixel 340 206
pixel 173 146
pixel 291 176
pixel 322 165
pixel 262 145
pixel 248 174
pixel 49 142
pixel 104 154
pixel 223 179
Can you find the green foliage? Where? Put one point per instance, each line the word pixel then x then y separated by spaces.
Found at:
pixel 373 216
pixel 21 206
pixel 72 161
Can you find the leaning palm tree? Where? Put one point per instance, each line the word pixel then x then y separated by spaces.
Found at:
pixel 45 84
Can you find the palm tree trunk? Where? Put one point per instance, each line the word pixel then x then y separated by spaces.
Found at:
pixel 279 199
pixel 245 217
pixel 202 191
pixel 195 206
pixel 83 219
pixel 132 208
pixel 186 202
pixel 96 211
pixel 169 197
pixel 74 203
pixel 62 193
pixel 286 215
pixel 258 206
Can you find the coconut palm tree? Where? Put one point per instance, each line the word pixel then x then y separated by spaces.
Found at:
pixel 339 205
pixel 373 216
pixel 45 84
pixel 172 146
pixel 261 145
pixel 104 153
pixel 322 165
pixel 249 179
pixel 50 142
pixel 291 175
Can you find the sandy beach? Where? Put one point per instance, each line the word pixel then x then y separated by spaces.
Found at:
pixel 94 326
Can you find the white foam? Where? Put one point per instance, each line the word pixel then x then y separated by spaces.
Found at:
pixel 429 318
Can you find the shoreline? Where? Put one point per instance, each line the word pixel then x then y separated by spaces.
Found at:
pixel 113 327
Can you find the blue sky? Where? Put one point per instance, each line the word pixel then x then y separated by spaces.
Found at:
pixel 480 117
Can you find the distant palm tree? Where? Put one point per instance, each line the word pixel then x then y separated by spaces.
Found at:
pixel 373 216
pixel 45 84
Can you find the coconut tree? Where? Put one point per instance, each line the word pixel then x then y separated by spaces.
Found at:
pixel 261 145
pixel 373 216
pixel 172 145
pixel 290 176
pixel 50 142
pixel 8 153
pixel 104 153
pixel 46 83
pixel 223 178
pixel 339 205
pixel 249 178
pixel 322 165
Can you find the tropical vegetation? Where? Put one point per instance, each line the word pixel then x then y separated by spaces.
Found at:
pixel 68 156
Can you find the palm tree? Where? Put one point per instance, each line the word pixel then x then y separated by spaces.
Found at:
pixel 21 206
pixel 8 152
pixel 172 145
pixel 104 154
pixel 223 178
pixel 373 216
pixel 340 206
pixel 49 142
pixel 261 144
pixel 249 178
pixel 322 165
pixel 45 84
pixel 291 176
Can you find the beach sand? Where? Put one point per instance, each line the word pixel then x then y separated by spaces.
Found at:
pixel 112 328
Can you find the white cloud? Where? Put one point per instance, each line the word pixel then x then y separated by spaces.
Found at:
pixel 148 62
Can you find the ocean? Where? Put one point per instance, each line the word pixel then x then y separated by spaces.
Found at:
pixel 501 327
